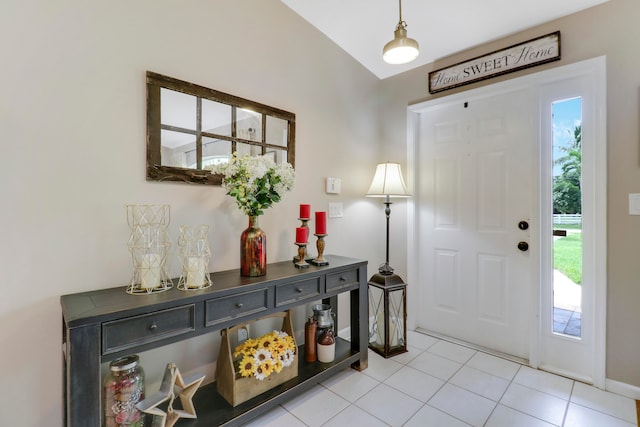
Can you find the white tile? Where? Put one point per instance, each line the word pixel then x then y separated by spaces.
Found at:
pixel 415 383
pixel 580 416
pixel 354 416
pixel 350 384
pixel 404 358
pixel 277 417
pixel 479 382
pixel 389 405
pixel 493 365
pixel 435 365
pixel 455 352
pixel 604 401
pixel 380 368
pixel 420 340
pixel 462 404
pixel 504 416
pixel 316 406
pixel 428 416
pixel 545 382
pixel 535 403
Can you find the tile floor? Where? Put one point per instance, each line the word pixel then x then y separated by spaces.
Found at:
pixel 441 384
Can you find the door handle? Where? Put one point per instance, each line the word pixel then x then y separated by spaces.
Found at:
pixel 523 246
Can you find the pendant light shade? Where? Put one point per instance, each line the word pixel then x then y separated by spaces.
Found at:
pixel 401 49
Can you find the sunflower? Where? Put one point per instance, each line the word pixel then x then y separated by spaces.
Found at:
pixel 263 356
pixel 247 366
pixel 277 365
pixel 264 370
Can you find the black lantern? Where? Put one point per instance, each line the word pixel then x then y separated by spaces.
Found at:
pixel 388 302
pixel 387 291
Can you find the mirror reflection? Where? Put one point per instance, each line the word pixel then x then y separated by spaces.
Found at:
pixel 191 128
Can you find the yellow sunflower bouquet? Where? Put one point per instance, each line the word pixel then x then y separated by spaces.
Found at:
pixel 262 356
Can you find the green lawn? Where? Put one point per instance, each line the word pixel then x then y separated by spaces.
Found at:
pixel 567 256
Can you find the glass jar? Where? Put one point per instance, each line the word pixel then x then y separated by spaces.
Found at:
pixel 123 388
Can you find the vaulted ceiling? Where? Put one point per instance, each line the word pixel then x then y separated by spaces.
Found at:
pixel 442 28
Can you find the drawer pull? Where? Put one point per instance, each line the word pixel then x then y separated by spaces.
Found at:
pixel 239 305
pixel 153 327
pixel 299 290
pixel 342 279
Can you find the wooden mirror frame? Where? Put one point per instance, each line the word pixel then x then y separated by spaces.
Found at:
pixel 158 172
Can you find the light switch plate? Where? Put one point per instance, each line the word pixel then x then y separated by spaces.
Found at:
pixel 333 185
pixel 634 204
pixel 335 210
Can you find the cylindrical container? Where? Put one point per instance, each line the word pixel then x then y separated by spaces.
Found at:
pixel 123 388
pixel 310 329
pixel 326 347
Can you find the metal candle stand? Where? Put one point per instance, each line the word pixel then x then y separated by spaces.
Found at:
pixel 319 260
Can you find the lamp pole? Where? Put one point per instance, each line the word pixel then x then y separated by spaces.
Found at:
pixel 386 269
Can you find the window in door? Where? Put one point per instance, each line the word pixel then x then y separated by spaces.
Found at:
pixel 567 216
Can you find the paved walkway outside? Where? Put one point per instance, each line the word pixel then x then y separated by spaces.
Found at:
pixel 567 309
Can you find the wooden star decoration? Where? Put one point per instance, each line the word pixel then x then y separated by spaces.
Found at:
pixel 171 379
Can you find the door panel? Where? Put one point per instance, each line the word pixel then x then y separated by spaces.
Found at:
pixel 475 165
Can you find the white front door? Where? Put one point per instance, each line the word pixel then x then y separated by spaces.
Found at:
pixel 477 166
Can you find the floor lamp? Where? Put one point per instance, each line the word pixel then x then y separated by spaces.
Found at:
pixel 387 290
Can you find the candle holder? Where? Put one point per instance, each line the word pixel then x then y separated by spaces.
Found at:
pixel 149 246
pixel 319 260
pixel 302 248
pixel 307 258
pixel 195 254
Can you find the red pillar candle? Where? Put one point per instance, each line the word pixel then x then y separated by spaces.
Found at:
pixel 301 234
pixel 305 211
pixel 321 223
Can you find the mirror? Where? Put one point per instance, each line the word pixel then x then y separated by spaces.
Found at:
pixel 191 128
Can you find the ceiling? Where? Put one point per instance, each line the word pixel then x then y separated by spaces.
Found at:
pixel 442 28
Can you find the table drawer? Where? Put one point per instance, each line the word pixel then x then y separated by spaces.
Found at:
pixel 222 309
pixel 296 291
pixel 133 331
pixel 343 279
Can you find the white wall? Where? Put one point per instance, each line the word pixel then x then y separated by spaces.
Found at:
pixel 72 133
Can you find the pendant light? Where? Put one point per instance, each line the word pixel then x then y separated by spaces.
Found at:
pixel 401 49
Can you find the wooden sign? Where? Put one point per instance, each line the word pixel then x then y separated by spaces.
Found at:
pixel 528 54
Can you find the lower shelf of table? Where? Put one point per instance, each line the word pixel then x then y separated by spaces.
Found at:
pixel 213 410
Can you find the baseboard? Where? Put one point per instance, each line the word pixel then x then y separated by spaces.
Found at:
pixel 623 389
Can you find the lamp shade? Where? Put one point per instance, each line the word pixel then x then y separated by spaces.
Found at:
pixel 401 49
pixel 388 181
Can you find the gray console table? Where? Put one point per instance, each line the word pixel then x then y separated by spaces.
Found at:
pixel 100 326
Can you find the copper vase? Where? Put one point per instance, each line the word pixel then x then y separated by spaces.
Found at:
pixel 253 250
